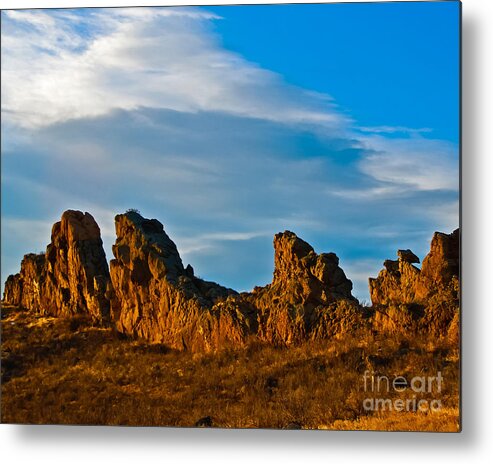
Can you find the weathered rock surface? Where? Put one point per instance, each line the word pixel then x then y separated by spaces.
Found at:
pixel 306 294
pixel 12 292
pixel 71 277
pixel 155 297
pixel 149 293
pixel 76 269
pixel 407 297
pixel 32 277
pixel 407 256
pixel 440 268
pixel 402 282
pixel 303 277
pixel 24 289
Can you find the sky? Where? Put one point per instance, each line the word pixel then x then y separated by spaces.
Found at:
pixel 339 122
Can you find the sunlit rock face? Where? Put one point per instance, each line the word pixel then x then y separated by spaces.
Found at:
pixel 426 298
pixel 155 297
pixel 12 292
pixel 402 282
pixel 147 292
pixel 32 278
pixel 309 297
pixel 71 277
pixel 301 276
pixel 76 268
pixel 24 289
pixel 441 265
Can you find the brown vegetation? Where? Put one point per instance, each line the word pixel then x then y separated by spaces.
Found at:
pixel 67 371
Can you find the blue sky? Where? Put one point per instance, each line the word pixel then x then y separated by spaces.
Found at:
pixel 229 124
pixel 384 63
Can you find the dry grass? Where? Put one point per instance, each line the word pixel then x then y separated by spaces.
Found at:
pixel 64 371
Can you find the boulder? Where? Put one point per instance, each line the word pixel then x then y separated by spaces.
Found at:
pixel 408 256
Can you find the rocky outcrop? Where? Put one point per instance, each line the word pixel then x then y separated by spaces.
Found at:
pixel 12 292
pixel 440 270
pixel 402 282
pixel 71 277
pixel 24 289
pixel 32 277
pixel 301 276
pixel 398 282
pixel 155 297
pixel 147 292
pixel 305 293
pixel 406 297
pixel 77 273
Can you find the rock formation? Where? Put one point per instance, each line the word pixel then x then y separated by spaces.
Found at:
pixel 427 298
pixel 70 278
pixel 12 293
pixel 149 293
pixel 440 269
pixel 32 278
pixel 76 269
pixel 306 292
pixel 155 297
pixel 402 282
pixel 24 289
pixel 303 277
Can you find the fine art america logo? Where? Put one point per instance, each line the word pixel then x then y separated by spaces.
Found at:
pixel 415 395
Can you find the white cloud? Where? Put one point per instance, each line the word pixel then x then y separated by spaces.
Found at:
pixel 58 66
pixel 370 193
pixel 190 247
pixel 416 163
pixel 394 129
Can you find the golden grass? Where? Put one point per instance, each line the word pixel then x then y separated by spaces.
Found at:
pixel 65 371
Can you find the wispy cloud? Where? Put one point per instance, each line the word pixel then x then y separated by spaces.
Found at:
pixel 394 130
pixel 73 69
pixel 419 163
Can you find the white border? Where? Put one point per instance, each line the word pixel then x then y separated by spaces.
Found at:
pixel 52 444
